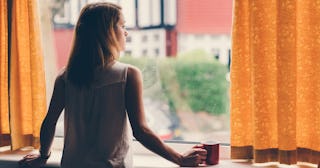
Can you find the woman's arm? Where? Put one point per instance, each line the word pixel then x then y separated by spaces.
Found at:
pixel 48 126
pixel 141 131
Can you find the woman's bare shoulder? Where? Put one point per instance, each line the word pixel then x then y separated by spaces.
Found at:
pixel 133 69
pixel 134 74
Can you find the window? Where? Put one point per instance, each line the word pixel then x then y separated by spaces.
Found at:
pixel 156 52
pixel 144 52
pixel 144 38
pixel 199 36
pixel 129 39
pixel 156 37
pixel 186 97
pixel 216 53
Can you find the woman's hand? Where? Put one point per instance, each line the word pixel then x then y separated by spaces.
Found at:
pixel 194 157
pixel 32 161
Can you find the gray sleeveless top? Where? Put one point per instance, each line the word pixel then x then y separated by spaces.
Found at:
pixel 96 123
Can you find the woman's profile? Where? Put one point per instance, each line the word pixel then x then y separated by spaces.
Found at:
pixel 99 95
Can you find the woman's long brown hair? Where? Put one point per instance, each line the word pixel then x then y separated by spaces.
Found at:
pixel 95 43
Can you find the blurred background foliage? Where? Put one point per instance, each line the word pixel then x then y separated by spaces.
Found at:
pixel 193 82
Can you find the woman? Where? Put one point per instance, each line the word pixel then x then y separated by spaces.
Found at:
pixel 98 93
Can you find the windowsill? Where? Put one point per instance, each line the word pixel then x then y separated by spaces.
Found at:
pixel 142 157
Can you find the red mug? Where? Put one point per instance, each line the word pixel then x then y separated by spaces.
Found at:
pixel 212 149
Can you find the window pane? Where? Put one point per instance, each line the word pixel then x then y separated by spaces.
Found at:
pixel 183 50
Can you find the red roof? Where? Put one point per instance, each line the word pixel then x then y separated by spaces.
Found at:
pixel 204 16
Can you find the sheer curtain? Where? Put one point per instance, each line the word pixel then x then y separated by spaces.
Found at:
pixel 275 81
pixel 23 99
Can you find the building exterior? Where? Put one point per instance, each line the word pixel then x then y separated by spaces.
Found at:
pixel 159 28
pixel 146 43
pixel 205 24
pixel 192 24
pixel 155 28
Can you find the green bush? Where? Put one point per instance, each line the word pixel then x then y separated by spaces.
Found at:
pixel 191 82
pixel 204 85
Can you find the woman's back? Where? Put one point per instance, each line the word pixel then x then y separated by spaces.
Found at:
pixel 96 129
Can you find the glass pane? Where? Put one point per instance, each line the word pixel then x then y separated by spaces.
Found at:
pixel 183 49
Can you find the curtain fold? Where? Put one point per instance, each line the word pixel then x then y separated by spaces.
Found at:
pixel 27 99
pixel 275 111
pixel 4 102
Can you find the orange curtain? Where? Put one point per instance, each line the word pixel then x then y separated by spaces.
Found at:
pixel 26 104
pixel 275 81
pixel 4 102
